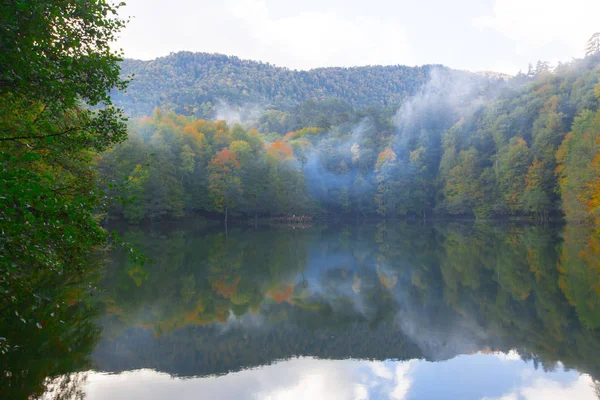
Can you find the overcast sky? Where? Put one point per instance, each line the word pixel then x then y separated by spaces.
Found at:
pixel 494 35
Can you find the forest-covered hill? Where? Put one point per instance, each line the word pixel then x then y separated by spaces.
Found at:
pixel 196 83
pixel 456 147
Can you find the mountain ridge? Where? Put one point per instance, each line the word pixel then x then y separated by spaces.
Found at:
pixel 193 83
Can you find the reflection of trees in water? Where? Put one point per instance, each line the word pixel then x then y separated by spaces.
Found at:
pixel 521 295
pixel 66 387
pixel 452 288
pixel 200 278
pixel 580 273
pixel 48 335
pixel 212 304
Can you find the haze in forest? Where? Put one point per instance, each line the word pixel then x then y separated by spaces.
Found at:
pixel 368 142
pixel 353 170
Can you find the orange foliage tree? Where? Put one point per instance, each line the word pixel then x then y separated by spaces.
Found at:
pixel 280 150
pixel 224 180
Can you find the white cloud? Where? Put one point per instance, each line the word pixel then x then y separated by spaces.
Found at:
pixel 512 355
pixel 302 39
pixel 380 370
pixel 403 382
pixel 300 378
pixel 537 23
pixel 247 29
pixel 498 35
pixel 547 389
pixel 316 380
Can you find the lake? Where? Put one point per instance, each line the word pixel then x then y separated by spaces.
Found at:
pixel 383 310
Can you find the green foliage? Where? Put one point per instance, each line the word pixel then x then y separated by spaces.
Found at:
pixel 453 157
pixel 534 198
pixel 224 182
pixel 55 57
pixel 59 51
pixel 461 185
pixel 326 157
pixel 309 170
pixel 50 334
pixel 578 168
pixel 520 161
pixel 200 166
pixel 216 77
pixel 512 168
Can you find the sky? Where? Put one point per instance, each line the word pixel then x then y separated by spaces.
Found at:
pixel 476 35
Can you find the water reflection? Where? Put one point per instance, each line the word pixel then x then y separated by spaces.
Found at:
pixel 48 329
pixel 212 304
pixel 464 377
pixel 442 311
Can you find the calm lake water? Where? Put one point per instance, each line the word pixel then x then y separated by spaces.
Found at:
pixel 349 311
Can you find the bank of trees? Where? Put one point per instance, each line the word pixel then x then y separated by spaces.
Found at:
pixel 197 84
pixel 178 165
pixel 531 150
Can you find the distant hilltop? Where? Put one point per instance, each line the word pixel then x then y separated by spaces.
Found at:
pixel 494 75
pixel 192 83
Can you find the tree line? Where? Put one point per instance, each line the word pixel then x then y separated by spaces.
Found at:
pixel 196 83
pixel 527 148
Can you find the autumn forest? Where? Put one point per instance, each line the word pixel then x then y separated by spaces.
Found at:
pixel 390 213
pixel 454 145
